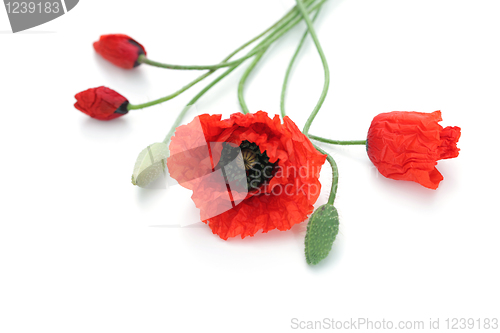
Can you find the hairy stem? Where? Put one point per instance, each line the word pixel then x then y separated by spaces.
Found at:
pixel 241 85
pixel 322 97
pixel 335 175
pixel 202 77
pixel 337 142
pixel 280 31
pixel 289 69
pixel 194 100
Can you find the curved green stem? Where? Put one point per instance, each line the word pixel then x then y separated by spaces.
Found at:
pixel 171 96
pixel 322 97
pixel 289 69
pixel 181 115
pixel 278 23
pixel 335 175
pixel 284 28
pixel 241 85
pixel 337 142
pixel 194 100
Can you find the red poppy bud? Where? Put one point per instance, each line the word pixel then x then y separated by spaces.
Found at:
pixel 120 50
pixel 407 145
pixel 101 103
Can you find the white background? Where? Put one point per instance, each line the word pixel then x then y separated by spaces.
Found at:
pixel 83 250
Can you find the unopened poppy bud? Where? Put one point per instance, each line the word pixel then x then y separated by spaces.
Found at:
pixel 407 145
pixel 150 164
pixel 101 103
pixel 121 50
pixel 322 230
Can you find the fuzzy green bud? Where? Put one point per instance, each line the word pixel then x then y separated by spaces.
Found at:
pixel 322 230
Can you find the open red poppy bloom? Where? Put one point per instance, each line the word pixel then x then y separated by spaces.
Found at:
pixel 247 173
pixel 121 50
pixel 407 145
pixel 101 103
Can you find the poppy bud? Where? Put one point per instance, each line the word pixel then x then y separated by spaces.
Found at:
pixel 322 230
pixel 101 103
pixel 150 164
pixel 213 158
pixel 407 146
pixel 120 50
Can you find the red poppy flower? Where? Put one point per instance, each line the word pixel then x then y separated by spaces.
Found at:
pixel 407 145
pixel 120 50
pixel 101 103
pixel 247 173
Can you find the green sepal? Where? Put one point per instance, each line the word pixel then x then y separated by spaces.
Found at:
pixel 322 229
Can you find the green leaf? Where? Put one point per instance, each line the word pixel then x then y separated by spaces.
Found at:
pixel 322 229
pixel 150 164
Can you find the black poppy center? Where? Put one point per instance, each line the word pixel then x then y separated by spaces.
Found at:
pixel 245 166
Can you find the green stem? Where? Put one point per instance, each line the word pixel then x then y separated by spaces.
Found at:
pixel 194 100
pixel 241 85
pixel 289 69
pixel 335 175
pixel 201 77
pixel 284 28
pixel 171 96
pixel 278 23
pixel 337 142
pixel 310 27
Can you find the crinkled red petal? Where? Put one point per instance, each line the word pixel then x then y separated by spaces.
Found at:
pixel 407 145
pixel 285 201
